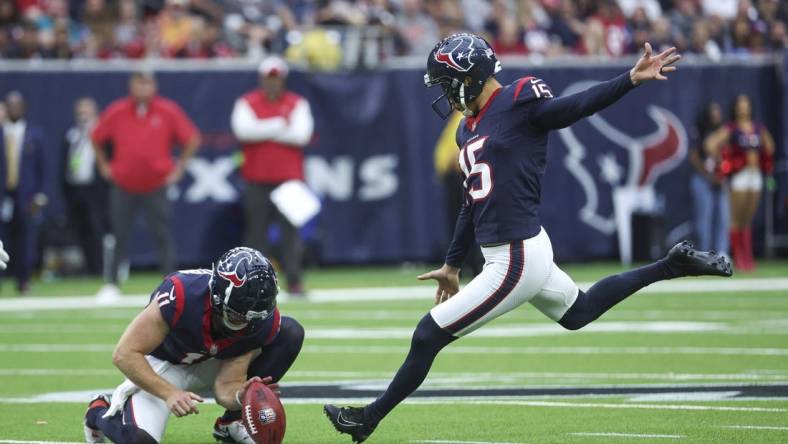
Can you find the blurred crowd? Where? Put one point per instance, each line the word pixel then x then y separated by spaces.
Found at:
pixel 320 32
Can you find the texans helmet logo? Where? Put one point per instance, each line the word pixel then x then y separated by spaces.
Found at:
pixel 231 268
pixel 458 55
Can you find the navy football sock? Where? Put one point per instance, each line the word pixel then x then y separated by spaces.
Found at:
pixel 276 357
pixel 231 415
pixel 610 291
pixel 114 428
pixel 91 417
pixel 428 340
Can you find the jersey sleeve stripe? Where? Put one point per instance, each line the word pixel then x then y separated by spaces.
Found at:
pixel 520 85
pixel 179 299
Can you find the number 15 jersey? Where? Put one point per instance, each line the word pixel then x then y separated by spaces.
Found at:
pixel 503 158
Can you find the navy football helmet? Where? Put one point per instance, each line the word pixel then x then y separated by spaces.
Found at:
pixel 460 64
pixel 243 287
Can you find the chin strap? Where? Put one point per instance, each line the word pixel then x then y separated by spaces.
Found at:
pixel 465 110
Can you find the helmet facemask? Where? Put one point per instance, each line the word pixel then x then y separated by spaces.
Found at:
pixel 455 93
pixel 238 319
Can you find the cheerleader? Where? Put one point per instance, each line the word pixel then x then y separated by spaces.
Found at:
pixel 746 149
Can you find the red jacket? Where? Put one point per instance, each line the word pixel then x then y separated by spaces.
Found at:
pixel 270 161
pixel 143 142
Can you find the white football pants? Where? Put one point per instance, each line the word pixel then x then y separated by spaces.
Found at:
pixel 149 412
pixel 513 274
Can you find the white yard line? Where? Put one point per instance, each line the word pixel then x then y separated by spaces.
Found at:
pixel 637 406
pixel 441 376
pixel 509 330
pixel 755 427
pixel 526 330
pixel 45 372
pixel 555 404
pixel 504 350
pixel 678 396
pixel 82 396
pixel 450 378
pixel 395 294
pixel 470 349
pixel 57 348
pixel 627 435
pixel 13 441
pixel 58 328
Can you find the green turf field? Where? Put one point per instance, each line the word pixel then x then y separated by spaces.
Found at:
pixel 695 364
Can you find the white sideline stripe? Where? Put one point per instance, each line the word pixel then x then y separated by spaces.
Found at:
pixel 82 396
pixel 367 379
pixel 57 348
pixel 499 401
pixel 528 330
pixel 387 349
pixel 396 294
pixel 754 427
pixel 499 331
pixel 460 376
pixel 684 397
pixel 57 372
pixel 13 441
pixel 503 350
pixel 51 328
pixel 638 406
pixel 627 435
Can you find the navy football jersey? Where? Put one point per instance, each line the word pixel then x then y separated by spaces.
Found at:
pixel 503 159
pixel 503 155
pixel 184 300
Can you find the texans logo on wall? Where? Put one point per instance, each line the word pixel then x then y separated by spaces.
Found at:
pixel 625 161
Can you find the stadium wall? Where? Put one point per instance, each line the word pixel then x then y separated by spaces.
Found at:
pixel 371 158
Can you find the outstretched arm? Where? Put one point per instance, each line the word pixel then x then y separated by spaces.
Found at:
pixel 563 111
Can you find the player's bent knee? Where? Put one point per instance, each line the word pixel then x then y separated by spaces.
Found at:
pixel 293 334
pixel 579 314
pixel 428 334
pixel 572 324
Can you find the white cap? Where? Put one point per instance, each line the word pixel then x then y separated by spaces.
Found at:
pixel 273 66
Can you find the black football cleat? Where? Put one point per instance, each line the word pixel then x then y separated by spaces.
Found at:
pixel 350 420
pixel 684 260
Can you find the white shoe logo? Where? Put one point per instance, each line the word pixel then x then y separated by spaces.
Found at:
pixel 345 422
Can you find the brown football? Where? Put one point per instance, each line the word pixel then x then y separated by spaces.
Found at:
pixel 263 415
